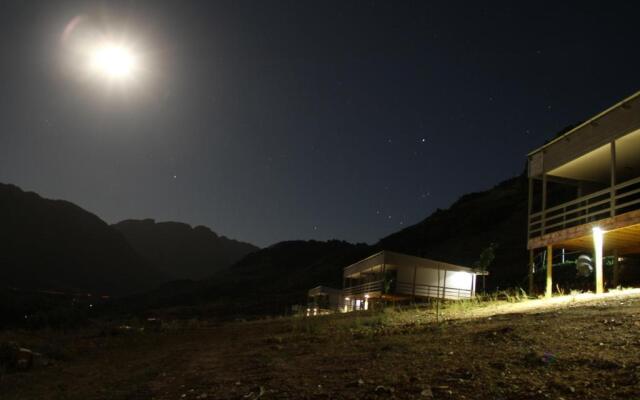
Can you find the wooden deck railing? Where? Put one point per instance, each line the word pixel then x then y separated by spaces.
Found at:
pixel 424 290
pixel 323 290
pixel 368 287
pixel 596 206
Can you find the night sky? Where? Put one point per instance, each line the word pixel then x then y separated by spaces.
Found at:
pixel 276 120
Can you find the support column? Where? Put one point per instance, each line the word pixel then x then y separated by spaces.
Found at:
pixel 549 287
pixel 616 269
pixel 598 243
pixel 531 271
pixel 413 289
pixel 444 286
pixel 529 209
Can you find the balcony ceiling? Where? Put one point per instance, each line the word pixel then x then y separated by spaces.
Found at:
pixel 595 165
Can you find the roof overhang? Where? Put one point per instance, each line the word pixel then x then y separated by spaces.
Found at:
pixel 391 259
pixel 586 123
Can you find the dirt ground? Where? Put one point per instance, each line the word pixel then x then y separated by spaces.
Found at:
pixel 580 348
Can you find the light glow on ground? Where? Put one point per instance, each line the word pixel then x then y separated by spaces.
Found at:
pixel 541 304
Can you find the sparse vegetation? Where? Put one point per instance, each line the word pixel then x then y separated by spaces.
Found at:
pixel 501 346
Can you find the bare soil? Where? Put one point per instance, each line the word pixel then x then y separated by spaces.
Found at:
pixel 576 349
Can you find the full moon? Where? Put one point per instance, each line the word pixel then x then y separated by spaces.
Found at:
pixel 113 61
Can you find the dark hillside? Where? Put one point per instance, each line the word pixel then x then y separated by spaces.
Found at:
pixel 180 251
pixel 273 278
pixel 460 233
pixel 54 244
pixel 268 281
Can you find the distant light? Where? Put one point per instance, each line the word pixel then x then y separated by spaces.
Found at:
pixel 113 61
pixel 366 296
pixel 347 299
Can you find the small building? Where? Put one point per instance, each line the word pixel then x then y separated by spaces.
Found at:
pixel 323 299
pixel 394 276
pixel 584 192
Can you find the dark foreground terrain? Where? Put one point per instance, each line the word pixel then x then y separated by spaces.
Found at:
pixel 566 350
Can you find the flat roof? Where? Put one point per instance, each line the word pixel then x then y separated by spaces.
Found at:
pixel 393 258
pixel 590 120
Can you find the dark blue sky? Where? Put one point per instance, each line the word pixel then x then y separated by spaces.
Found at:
pixel 274 120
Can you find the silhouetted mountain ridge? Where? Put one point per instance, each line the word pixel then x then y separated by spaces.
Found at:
pixel 54 244
pixel 270 279
pixel 180 251
pixel 460 233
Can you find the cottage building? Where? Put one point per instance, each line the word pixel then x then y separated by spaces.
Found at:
pixel 584 192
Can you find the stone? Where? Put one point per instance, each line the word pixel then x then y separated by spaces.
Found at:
pixel 427 392
pixel 24 358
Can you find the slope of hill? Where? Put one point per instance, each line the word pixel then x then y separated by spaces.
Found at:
pixel 280 275
pixel 54 244
pixel 268 280
pixel 460 233
pixel 180 251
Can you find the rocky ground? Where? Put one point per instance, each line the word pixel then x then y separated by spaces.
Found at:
pixel 556 350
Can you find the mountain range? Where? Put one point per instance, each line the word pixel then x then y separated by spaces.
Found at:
pixel 180 251
pixel 271 279
pixel 56 245
pixel 53 244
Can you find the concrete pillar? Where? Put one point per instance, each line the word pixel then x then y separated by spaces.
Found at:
pixel 549 287
pixel 531 270
pixel 598 244
pixel 616 269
